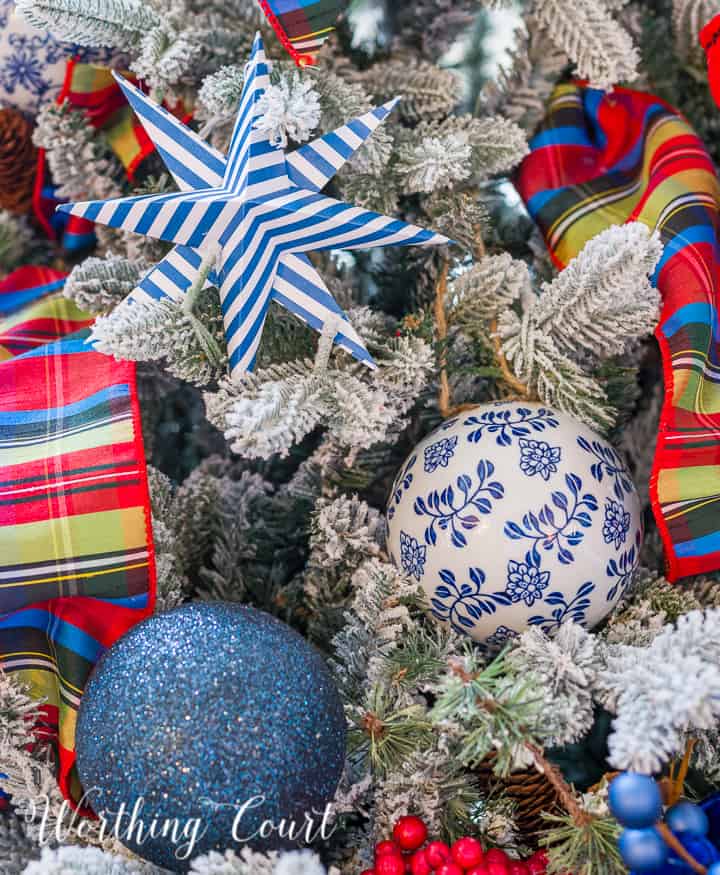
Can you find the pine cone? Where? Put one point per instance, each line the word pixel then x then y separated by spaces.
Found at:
pixel 18 159
pixel 529 789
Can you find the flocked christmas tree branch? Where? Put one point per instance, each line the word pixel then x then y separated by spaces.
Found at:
pixel 282 505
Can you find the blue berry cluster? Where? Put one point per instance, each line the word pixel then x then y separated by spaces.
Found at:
pixel 636 803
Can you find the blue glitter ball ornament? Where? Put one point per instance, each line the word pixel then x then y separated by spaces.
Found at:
pixel 208 727
pixel 642 850
pixel 635 800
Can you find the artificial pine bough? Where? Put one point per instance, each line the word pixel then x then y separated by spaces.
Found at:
pixel 270 488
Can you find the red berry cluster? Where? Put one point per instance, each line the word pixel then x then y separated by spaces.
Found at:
pixel 407 854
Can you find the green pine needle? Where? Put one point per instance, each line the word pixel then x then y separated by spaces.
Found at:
pixel 586 849
pixel 387 737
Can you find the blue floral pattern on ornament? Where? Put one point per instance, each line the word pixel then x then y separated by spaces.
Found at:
pixel 538 457
pixel 616 524
pixel 525 580
pixel 438 455
pixel 461 515
pixel 463 604
pixel 558 529
pixel 32 63
pixel 624 568
pixel 22 68
pixel 608 462
pixel 412 556
pixel 507 424
pixel 402 483
pixel 573 611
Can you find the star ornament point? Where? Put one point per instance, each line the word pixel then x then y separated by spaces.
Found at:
pixel 255 213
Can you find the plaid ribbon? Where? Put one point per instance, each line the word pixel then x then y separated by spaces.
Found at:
pixel 710 41
pixel 76 551
pixel 26 285
pixel 302 25
pixel 604 159
pixel 34 314
pixel 94 90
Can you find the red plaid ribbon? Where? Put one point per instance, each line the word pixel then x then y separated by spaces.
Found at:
pixel 76 549
pixel 303 25
pixel 605 159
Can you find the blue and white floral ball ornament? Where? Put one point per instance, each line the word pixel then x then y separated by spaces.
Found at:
pixel 33 62
pixel 514 515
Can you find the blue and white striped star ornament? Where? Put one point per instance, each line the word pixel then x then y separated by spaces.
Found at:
pixel 253 215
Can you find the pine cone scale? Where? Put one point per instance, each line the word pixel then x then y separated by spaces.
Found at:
pixel 529 789
pixel 18 159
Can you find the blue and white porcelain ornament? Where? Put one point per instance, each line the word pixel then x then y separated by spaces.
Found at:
pixel 33 62
pixel 513 515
